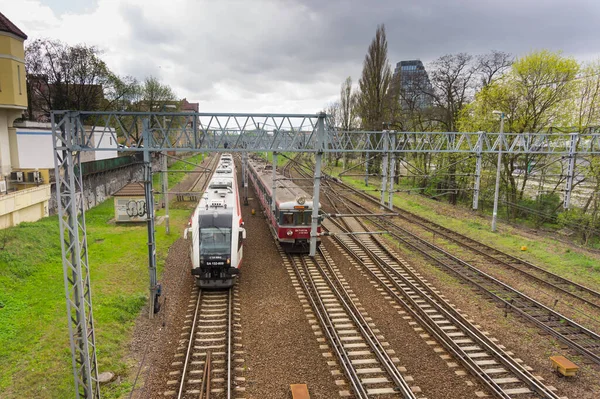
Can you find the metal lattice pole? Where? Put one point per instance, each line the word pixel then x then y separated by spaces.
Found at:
pixel 71 216
pixel 149 213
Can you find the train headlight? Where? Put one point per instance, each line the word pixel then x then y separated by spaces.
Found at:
pixel 228 261
pixel 289 233
pixel 300 200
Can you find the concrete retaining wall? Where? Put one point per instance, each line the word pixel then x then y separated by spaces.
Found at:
pixel 99 186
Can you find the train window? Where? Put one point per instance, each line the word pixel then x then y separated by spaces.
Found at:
pixel 287 218
pixel 301 218
pixel 240 240
pixel 215 240
pixel 307 217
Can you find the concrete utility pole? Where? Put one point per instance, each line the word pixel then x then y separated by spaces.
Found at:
pixel 478 171
pixel 570 170
pixel 384 167
pixel 392 171
pixel 497 190
pixel 165 190
pixel 317 184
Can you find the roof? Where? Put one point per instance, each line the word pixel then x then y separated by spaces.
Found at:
pixel 135 189
pixel 187 106
pixel 7 26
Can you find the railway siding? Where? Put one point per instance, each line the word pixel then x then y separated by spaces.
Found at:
pixel 487 361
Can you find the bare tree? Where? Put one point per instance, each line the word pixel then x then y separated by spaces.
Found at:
pixel 60 76
pixel 493 64
pixel 453 87
pixel 374 82
pixel 348 99
pixel 334 114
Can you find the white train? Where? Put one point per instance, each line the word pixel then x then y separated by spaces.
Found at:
pixel 216 229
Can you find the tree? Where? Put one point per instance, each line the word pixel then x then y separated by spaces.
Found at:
pixel 374 100
pixel 348 99
pixel 374 82
pixel 535 94
pixel 492 65
pixel 453 87
pixel 152 96
pixel 60 76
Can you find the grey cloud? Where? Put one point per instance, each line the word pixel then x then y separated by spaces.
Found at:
pixel 281 53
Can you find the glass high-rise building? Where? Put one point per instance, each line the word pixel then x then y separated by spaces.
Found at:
pixel 414 84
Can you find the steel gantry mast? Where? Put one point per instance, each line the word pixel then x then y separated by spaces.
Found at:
pixel 230 132
pixel 71 216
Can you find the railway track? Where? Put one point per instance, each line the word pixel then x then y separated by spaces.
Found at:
pixel 496 257
pixel 360 351
pixel 576 337
pixel 204 362
pixel 486 361
pixel 203 177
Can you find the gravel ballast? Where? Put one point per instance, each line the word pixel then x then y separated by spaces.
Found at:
pixel 281 348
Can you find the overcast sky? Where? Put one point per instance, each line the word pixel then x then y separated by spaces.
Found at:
pixel 292 56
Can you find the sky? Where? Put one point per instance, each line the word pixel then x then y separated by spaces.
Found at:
pixel 281 56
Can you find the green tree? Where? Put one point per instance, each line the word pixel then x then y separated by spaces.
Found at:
pixel 374 99
pixel 536 93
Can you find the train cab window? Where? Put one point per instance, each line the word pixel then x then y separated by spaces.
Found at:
pixel 303 218
pixel 215 240
pixel 308 217
pixel 287 218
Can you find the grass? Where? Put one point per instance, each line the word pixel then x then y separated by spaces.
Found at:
pixel 545 252
pixel 176 177
pixel 35 356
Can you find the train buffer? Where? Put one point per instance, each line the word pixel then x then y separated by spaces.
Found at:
pixel 299 391
pixel 564 366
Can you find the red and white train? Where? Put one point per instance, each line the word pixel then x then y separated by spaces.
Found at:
pixel 216 229
pixel 290 223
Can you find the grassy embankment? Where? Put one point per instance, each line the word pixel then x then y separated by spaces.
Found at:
pixel 553 255
pixel 176 177
pixel 35 358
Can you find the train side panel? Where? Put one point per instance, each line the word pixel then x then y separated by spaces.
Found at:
pixel 291 222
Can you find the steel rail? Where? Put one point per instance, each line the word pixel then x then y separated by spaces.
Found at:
pixel 402 213
pixel 417 244
pixel 362 324
pixel 494 253
pixel 229 325
pixel 327 325
pixel 433 299
pixel 190 345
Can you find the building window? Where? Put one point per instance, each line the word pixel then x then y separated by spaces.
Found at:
pixel 19 78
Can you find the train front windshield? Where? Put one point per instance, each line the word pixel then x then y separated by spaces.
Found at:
pixel 215 234
pixel 215 241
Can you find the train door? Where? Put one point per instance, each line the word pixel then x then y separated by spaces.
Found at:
pixel 240 245
pixel 196 243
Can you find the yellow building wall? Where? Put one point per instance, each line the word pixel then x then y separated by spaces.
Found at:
pixel 13 88
pixel 26 205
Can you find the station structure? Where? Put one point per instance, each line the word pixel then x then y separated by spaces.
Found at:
pixel 152 132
